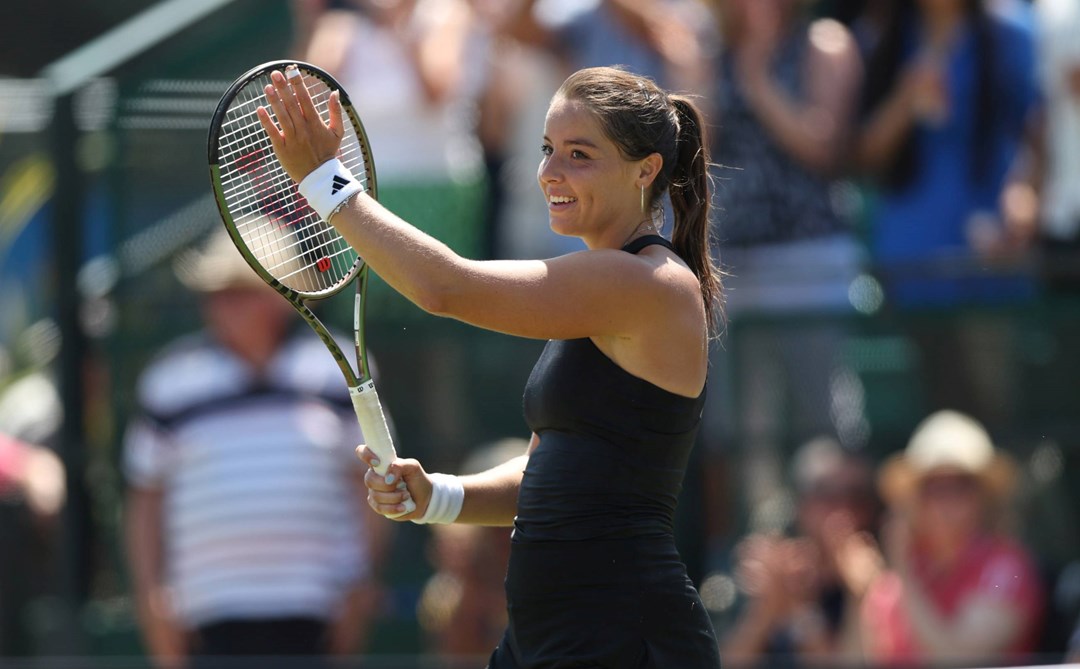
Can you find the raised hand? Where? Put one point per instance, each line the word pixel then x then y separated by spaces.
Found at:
pixel 301 139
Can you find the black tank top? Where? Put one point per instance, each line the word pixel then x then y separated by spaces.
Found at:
pixel 613 447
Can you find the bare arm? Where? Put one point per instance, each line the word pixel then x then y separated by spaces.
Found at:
pixel 164 638
pixel 591 293
pixel 816 129
pixel 490 497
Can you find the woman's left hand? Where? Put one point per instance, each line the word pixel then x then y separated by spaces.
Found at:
pixel 301 139
pixel 389 493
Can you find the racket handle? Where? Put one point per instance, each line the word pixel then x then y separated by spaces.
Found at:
pixel 377 438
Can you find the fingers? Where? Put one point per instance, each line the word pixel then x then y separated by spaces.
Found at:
pixel 306 105
pixel 271 129
pixel 392 503
pixel 300 92
pixel 278 95
pixel 368 456
pixel 389 494
pixel 336 125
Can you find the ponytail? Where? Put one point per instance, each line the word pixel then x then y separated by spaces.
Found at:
pixel 690 202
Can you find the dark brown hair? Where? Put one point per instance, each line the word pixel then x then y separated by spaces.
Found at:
pixel 642 119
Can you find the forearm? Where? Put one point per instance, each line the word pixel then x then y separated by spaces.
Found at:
pixel 491 497
pixel 809 134
pixel 412 262
pixel 883 135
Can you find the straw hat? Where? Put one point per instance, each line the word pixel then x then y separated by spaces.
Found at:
pixel 947 442
pixel 214 266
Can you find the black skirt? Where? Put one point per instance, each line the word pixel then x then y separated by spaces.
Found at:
pixel 620 604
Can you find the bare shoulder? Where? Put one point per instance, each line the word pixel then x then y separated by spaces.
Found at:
pixel 670 269
pixel 676 287
pixel 668 345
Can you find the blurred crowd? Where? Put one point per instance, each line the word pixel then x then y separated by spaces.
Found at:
pixel 911 155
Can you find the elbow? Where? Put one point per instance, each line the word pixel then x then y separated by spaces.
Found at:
pixel 437 295
pixel 445 286
pixel 433 298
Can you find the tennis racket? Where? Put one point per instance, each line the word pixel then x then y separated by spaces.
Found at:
pixel 287 244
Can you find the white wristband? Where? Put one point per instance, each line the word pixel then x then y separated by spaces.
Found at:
pixel 447 495
pixel 328 187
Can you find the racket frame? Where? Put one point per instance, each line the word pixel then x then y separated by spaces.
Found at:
pixel 362 391
pixel 359 271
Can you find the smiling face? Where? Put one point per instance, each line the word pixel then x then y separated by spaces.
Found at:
pixel 592 191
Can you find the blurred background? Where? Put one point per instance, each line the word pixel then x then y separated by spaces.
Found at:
pixel 897 208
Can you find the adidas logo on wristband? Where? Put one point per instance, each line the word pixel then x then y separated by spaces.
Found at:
pixel 342 186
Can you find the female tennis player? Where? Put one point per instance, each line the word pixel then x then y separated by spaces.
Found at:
pixel 614 401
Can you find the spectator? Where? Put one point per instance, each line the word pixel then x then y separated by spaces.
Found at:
pixel 247 528
pixel 798 611
pixel 949 89
pixel 949 585
pixel 784 100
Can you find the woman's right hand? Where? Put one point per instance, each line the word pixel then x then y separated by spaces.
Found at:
pixel 405 479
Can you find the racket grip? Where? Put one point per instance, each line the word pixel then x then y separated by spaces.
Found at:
pixel 377 438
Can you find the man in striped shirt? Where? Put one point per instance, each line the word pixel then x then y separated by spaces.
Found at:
pixel 247 526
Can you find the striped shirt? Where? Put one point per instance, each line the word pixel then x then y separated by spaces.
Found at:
pixel 261 518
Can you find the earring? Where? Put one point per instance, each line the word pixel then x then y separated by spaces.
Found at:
pixel 643 198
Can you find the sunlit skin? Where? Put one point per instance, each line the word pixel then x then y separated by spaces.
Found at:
pixel 591 189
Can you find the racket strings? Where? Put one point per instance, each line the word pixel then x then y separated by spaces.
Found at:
pixel 278 227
